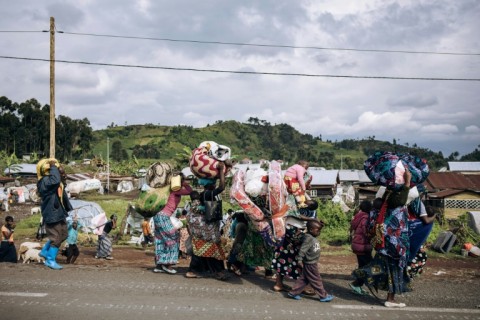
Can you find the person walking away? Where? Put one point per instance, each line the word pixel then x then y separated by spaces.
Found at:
pixel 8 253
pixel 55 206
pixel 390 261
pixel 104 247
pixel 295 182
pixel 167 238
pixel 309 255
pixel 72 251
pixel 361 242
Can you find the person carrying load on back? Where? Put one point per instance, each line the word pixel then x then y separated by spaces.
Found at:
pixel 295 182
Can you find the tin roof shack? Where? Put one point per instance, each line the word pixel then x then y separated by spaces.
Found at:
pixel 454 192
pixel 324 183
pixel 472 167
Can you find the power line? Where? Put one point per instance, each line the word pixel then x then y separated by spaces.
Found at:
pixel 253 44
pixel 269 45
pixel 241 72
pixel 25 31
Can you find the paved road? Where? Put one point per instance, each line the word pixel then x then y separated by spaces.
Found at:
pixel 89 292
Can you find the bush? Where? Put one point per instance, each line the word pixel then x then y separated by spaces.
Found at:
pixel 337 223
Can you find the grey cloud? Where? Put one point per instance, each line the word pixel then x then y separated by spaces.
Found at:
pixel 414 100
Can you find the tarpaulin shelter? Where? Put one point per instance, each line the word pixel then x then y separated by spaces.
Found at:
pixel 89 215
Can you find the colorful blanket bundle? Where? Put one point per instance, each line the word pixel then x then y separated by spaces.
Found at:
pixel 387 169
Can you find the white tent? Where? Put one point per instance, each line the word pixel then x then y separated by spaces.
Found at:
pixel 84 212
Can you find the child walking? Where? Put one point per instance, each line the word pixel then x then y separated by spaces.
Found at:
pixel 308 257
pixel 361 242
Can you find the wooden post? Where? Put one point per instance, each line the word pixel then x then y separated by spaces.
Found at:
pixel 52 87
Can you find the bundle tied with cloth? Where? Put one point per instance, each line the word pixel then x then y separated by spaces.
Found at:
pixel 43 167
pixel 205 158
pixel 160 180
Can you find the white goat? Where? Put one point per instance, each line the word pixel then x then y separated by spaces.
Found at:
pixel 32 255
pixel 24 248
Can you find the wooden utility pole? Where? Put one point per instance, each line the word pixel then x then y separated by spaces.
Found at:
pixel 52 87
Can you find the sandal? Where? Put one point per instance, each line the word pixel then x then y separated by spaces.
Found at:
pixel 282 288
pixel 192 275
pixel 236 270
pixel 222 276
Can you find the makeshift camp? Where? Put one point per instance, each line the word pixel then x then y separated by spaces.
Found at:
pixel 77 187
pixel 125 186
pixel 89 215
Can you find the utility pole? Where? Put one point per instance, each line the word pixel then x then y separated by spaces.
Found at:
pixel 108 165
pixel 52 87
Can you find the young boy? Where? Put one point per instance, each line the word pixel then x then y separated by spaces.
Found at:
pixel 72 251
pixel 308 257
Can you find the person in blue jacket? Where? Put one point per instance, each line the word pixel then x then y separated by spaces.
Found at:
pixel 55 207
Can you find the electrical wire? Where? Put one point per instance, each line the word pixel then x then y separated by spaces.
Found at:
pixel 241 72
pixel 270 45
pixel 252 44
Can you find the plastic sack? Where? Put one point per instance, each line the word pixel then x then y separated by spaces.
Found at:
pixel 254 186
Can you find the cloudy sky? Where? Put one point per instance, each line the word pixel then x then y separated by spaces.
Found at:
pixel 274 40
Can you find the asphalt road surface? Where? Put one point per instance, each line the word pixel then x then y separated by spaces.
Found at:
pixel 32 291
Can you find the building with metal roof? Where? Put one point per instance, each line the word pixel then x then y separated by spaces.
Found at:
pixel 464 166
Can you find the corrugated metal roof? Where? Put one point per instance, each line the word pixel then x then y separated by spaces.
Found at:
pixel 363 178
pixel 464 166
pixel 445 193
pixel 323 177
pixel 22 168
pixel 348 175
pixel 449 180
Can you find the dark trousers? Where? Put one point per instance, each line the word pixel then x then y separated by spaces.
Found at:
pixel 310 275
pixel 202 264
pixel 362 260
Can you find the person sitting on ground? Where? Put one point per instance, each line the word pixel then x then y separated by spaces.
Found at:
pixel 8 253
pixel 361 242
pixel 309 255
pixel 295 182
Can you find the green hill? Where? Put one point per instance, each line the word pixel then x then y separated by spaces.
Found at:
pixel 254 140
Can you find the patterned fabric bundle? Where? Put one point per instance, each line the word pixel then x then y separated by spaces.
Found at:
pixel 387 169
pixel 205 158
pixel 159 174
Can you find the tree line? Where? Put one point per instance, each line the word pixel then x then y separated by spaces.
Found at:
pixel 25 130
